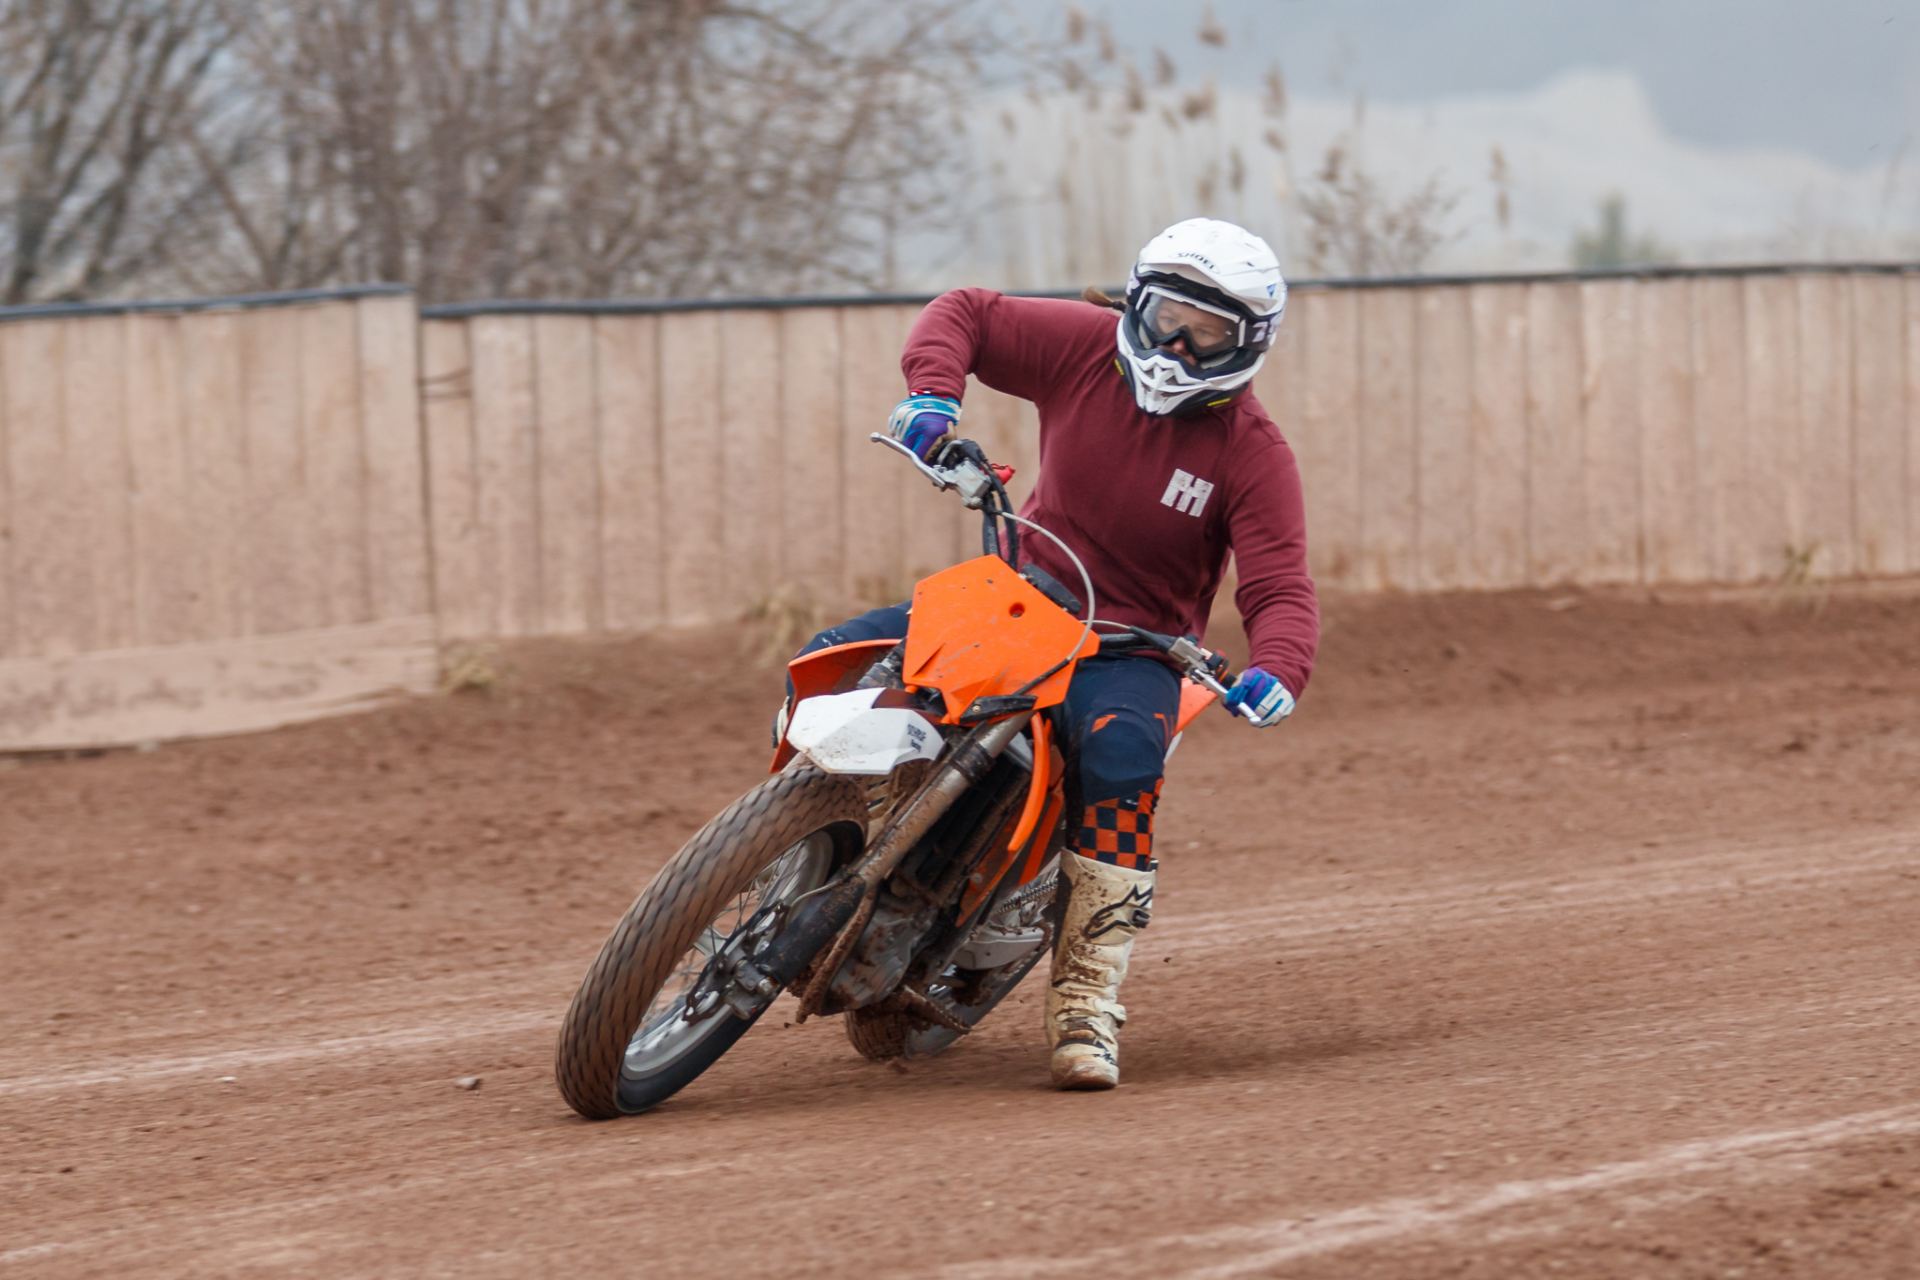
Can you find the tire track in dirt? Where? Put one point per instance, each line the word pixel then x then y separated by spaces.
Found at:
pixel 1257 1248
pixel 115 1238
pixel 1469 902
pixel 1461 904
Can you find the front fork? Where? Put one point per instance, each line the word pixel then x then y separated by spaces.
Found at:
pixel 828 922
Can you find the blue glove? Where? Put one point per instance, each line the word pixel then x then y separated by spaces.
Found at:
pixel 1263 694
pixel 922 421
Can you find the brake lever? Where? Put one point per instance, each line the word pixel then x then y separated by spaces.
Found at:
pixel 968 480
pixel 935 474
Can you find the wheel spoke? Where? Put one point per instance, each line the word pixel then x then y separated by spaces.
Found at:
pixel 665 1031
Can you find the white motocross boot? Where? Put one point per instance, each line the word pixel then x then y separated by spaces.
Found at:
pixel 1106 907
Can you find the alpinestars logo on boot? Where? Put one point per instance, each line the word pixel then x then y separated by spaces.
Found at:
pixel 1131 912
pixel 1187 493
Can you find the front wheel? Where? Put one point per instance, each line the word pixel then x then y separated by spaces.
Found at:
pixel 649 1019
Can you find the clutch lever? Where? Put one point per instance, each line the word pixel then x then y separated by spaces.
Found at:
pixel 1206 669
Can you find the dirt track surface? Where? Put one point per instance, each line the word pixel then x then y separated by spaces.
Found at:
pixel 1557 934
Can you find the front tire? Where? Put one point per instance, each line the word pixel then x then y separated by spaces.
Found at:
pixel 631 1038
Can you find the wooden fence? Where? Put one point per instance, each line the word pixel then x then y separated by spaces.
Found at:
pixel 212 518
pixel 621 471
pixel 1712 427
pixel 613 469
pixel 226 516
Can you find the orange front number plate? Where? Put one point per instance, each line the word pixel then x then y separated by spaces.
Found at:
pixel 979 630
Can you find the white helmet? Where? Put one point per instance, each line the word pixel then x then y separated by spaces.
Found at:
pixel 1216 290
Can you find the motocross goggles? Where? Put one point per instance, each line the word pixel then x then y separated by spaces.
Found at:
pixel 1215 335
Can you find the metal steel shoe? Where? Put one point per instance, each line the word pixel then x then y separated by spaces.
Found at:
pixel 1106 906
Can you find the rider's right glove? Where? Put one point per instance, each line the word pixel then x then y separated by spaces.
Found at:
pixel 1264 694
pixel 922 421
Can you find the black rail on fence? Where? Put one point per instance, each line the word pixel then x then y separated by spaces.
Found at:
pixel 235 302
pixel 644 306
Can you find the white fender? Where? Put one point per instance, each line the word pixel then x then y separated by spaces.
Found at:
pixel 846 733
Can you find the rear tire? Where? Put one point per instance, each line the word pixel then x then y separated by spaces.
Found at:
pixel 627 1043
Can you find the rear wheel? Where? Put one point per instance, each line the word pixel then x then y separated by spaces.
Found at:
pixel 650 1016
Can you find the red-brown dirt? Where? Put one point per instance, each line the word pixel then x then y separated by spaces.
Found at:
pixel 1556 934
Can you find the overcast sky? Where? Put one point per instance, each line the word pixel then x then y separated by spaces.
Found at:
pixel 1839 79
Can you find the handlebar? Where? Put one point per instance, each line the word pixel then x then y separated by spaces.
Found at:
pixel 982 487
pixel 1202 666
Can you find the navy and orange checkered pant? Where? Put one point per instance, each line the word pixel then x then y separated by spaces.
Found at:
pixel 1120 831
pixel 1120 713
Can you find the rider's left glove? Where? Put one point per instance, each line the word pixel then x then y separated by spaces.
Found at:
pixel 922 421
pixel 1263 694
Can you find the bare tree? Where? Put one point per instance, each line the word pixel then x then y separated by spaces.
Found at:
pixel 504 148
pixel 592 147
pixel 1215 151
pixel 1355 228
pixel 93 96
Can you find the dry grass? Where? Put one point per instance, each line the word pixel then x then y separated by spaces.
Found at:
pixel 470 668
pixel 1796 587
pixel 780 622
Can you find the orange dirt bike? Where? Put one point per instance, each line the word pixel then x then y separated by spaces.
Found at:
pixel 899 866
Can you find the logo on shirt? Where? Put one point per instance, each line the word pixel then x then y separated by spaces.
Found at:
pixel 1187 493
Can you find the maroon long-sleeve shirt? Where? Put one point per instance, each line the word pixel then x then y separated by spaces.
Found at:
pixel 1153 505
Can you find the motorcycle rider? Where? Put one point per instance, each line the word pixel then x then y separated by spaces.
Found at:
pixel 1156 463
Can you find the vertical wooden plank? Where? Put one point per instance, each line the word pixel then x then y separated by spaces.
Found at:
pixel 1499 555
pixel 1720 411
pixel 813 447
pixel 216 443
pixel 1281 387
pixel 690 451
pixel 285 595
pixel 52 588
pixel 507 467
pixel 167 570
pixel 1673 516
pixel 1444 426
pixel 1556 450
pixel 1281 383
pixel 1389 449
pixel 632 538
pixel 1910 284
pixel 1825 426
pixel 1879 425
pixel 392 439
pixel 1610 430
pixel 9 511
pixel 931 539
pixel 1330 421
pixel 96 407
pixel 464 585
pixel 569 473
pixel 335 548
pixel 1766 505
pixel 750 428
pixel 874 511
